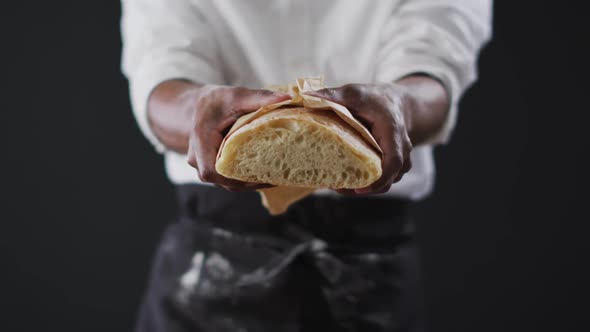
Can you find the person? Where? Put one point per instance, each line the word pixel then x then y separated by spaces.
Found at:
pixel 339 260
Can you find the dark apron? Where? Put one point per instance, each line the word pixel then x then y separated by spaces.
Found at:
pixel 328 264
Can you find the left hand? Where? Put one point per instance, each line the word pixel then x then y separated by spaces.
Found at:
pixel 385 110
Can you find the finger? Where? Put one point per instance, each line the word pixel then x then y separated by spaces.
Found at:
pixel 407 162
pixel 248 187
pixel 392 161
pixel 347 95
pixel 206 146
pixel 355 98
pixel 331 94
pixel 405 169
pixel 191 158
pixel 351 192
pixel 326 93
pixel 256 186
pixel 400 175
pixel 346 192
pixel 383 190
pixel 248 100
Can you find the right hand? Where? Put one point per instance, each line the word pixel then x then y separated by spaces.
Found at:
pixel 216 110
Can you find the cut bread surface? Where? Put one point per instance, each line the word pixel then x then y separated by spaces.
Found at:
pixel 300 147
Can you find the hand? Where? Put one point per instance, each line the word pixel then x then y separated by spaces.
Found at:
pixel 216 110
pixel 385 110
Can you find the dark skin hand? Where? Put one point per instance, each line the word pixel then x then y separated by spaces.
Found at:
pixel 398 115
pixel 193 119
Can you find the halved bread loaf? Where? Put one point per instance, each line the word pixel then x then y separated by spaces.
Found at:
pixel 300 147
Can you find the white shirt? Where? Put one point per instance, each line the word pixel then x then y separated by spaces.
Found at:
pixel 256 43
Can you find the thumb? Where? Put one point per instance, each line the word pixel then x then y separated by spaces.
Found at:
pixel 255 99
pixel 327 94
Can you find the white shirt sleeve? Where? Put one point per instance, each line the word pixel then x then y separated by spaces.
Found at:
pixel 439 38
pixel 165 40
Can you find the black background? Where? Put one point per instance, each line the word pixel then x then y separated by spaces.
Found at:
pixel 84 196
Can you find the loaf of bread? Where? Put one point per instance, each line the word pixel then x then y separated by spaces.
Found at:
pixel 300 147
